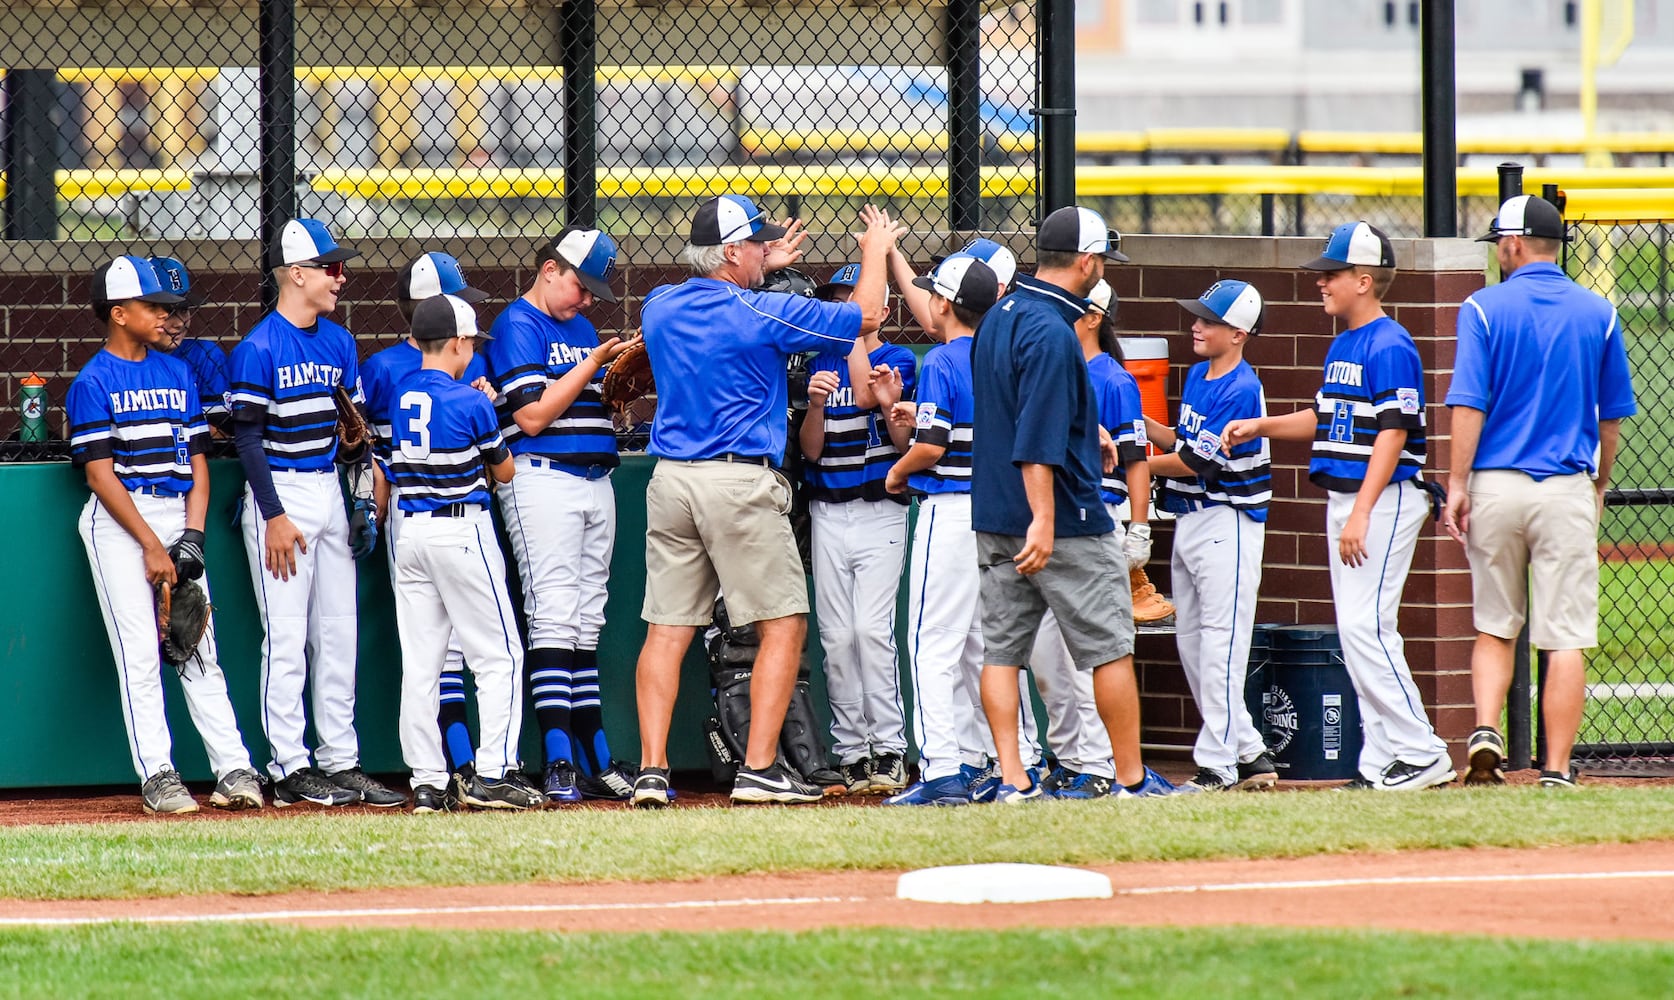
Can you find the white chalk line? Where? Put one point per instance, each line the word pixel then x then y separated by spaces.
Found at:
pixel 1342 883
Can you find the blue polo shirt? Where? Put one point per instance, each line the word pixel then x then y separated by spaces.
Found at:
pixel 718 354
pixel 1034 404
pixel 1544 360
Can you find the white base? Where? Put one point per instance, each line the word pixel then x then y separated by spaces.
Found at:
pixel 1001 883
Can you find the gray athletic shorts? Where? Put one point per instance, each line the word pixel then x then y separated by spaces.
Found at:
pixel 1085 583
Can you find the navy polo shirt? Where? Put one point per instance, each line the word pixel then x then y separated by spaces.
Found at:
pixel 1034 404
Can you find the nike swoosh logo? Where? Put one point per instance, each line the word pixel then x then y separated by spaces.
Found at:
pixel 782 784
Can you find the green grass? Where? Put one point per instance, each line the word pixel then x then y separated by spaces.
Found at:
pixel 1240 963
pixel 361 851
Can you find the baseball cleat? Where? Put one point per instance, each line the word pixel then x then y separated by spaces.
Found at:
pixel 1486 751
pixel 651 789
pixel 889 774
pixel 614 784
pixel 164 794
pixel 1401 776
pixel 1153 785
pixel 1208 779
pixel 857 776
pixel 776 785
pixel 1081 786
pixel 559 784
pixel 240 789
pixel 984 781
pixel 1358 783
pixel 949 790
pixel 368 790
pixel 309 785
pixel 511 792
pixel 1257 775
pixel 429 799
pixel 1012 795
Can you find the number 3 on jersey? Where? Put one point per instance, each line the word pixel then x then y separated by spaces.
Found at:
pixel 412 432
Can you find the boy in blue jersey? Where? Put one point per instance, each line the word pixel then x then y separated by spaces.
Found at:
pixel 296 531
pixel 138 434
pixel 1367 426
pixel 1540 389
pixel 424 277
pixel 859 540
pixel 1219 498
pixel 204 357
pixel 547 362
pixel 450 578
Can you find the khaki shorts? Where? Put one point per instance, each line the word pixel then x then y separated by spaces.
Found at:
pixel 720 527
pixel 1543 536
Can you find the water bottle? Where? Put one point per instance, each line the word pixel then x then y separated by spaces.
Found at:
pixel 34 406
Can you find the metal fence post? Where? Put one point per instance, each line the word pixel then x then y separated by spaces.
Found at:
pixel 964 114
pixel 1441 144
pixel 276 89
pixel 1056 108
pixel 31 156
pixel 579 44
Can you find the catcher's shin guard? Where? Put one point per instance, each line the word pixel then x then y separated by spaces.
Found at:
pixel 800 742
pixel 1149 607
pixel 727 732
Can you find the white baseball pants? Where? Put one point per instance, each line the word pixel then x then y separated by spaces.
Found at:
pixel 309 627
pixel 562 530
pixel 1217 571
pixel 129 610
pixel 1368 599
pixel 858 548
pixel 450 578
pixel 392 534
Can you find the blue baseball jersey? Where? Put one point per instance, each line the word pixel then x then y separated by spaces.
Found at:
pixel 143 415
pixel 382 372
pixel 1120 414
pixel 443 430
pixel 719 353
pixel 1544 359
pixel 1035 405
pixel 858 452
pixel 283 377
pixel 1242 480
pixel 530 349
pixel 946 411
pixel 209 370
pixel 1373 382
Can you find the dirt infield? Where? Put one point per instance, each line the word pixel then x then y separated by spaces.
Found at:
pixel 1603 892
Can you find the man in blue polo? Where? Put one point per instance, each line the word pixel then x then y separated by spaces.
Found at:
pixel 1044 538
pixel 1540 387
pixel 716 506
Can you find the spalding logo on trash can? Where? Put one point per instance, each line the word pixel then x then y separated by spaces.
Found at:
pixel 1279 715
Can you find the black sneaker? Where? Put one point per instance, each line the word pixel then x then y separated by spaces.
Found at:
pixel 1257 775
pixel 651 788
pixel 614 784
pixel 776 784
pixel 1055 779
pixel 1560 779
pixel 1401 776
pixel 430 799
pixel 1208 780
pixel 1486 750
pixel 1358 783
pixel 560 782
pixel 309 785
pixel 368 790
pixel 510 792
pixel 889 774
pixel 857 776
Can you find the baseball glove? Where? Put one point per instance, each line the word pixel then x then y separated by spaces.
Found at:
pixel 182 619
pixel 629 389
pixel 352 433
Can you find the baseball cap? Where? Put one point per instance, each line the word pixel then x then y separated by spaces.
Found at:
pixel 1526 215
pixel 435 274
pixel 1103 298
pixel 300 241
pixel 1354 244
pixel 1079 230
pixel 130 278
pixel 729 219
pixel 1235 303
pixel 964 281
pixel 1000 260
pixel 593 255
pixel 847 276
pixel 172 276
pixel 441 317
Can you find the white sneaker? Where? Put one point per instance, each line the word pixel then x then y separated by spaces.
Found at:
pixel 1401 776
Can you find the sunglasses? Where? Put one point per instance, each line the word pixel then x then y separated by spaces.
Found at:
pixel 1115 239
pixel 333 269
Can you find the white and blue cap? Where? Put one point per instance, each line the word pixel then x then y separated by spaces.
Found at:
pixel 1079 230
pixel 302 241
pixel 1354 244
pixel 592 253
pixel 999 259
pixel 1234 303
pixel 435 274
pixel 171 274
pixel 131 279
pixel 964 281
pixel 1102 299
pixel 731 218
pixel 1526 215
pixel 444 317
pixel 847 276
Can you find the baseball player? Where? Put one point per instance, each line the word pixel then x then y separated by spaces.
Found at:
pixel 859 541
pixel 1219 498
pixel 424 277
pixel 137 432
pixel 296 531
pixel 998 258
pixel 450 578
pixel 1367 426
pixel 205 357
pixel 546 361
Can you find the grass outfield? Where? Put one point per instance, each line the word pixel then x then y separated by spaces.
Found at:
pixel 326 851
pixel 1240 963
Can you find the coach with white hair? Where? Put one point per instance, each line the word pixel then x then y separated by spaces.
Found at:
pixel 716 505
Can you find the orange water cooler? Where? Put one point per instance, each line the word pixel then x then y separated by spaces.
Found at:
pixel 1147 361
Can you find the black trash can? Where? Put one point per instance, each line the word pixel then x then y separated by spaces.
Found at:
pixel 1310 718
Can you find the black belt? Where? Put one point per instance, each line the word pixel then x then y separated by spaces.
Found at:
pixel 454 510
